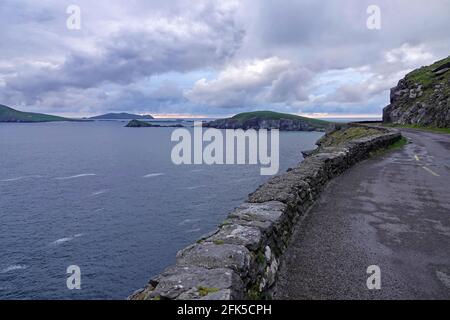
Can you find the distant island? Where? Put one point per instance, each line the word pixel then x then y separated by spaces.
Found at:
pixel 421 99
pixel 122 116
pixel 143 124
pixel 8 114
pixel 269 120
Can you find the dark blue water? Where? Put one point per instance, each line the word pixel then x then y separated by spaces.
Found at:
pixel 77 194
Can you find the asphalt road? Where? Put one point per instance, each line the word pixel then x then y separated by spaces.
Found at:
pixel 392 211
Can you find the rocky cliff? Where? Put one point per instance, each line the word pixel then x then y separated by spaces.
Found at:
pixel 269 120
pixel 422 98
pixel 282 125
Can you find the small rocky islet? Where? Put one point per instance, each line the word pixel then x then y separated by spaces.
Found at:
pixel 146 124
pixel 269 120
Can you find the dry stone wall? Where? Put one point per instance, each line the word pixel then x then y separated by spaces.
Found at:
pixel 240 259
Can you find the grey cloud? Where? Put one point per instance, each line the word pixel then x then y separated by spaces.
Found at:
pixel 241 84
pixel 333 34
pixel 291 86
pixel 172 43
pixel 42 64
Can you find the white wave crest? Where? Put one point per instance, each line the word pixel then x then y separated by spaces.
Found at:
pixel 151 175
pixel 20 178
pixel 76 176
pixel 182 223
pixel 195 187
pixel 97 193
pixel 14 267
pixel 67 239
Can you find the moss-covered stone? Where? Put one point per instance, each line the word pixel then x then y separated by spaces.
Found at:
pixel 203 291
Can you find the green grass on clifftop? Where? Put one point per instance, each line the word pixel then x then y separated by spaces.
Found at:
pixel 339 137
pixel 8 114
pixel 425 75
pixel 271 115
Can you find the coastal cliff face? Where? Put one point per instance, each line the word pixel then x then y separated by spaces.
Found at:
pixel 422 98
pixel 257 123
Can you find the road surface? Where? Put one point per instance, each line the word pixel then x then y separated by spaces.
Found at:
pixel 392 211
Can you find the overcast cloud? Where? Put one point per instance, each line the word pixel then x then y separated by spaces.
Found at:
pixel 214 57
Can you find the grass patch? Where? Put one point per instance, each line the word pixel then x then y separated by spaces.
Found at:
pixel 254 293
pixel 218 242
pixel 417 127
pixel 395 146
pixel 204 291
pixel 425 75
pixel 226 222
pixel 261 258
pixel 340 137
pixel 270 115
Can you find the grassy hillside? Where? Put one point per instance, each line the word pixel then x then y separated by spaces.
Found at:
pixel 121 116
pixel 271 115
pixel 425 75
pixel 8 114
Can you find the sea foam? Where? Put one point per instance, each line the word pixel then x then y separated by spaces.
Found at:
pixel 150 175
pixel 20 178
pixel 76 176
pixel 14 267
pixel 67 239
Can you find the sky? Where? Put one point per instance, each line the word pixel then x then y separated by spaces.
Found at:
pixel 210 58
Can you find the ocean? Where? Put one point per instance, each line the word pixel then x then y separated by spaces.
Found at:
pixel 108 199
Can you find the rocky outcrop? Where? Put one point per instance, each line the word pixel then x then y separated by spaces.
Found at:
pixel 422 98
pixel 144 124
pixel 256 123
pixel 240 259
pixel 138 124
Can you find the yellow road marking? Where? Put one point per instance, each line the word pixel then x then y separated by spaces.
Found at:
pixel 431 171
pixel 416 157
